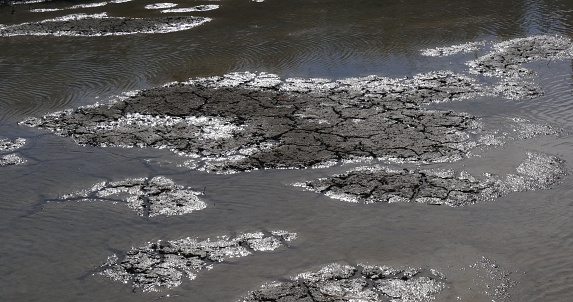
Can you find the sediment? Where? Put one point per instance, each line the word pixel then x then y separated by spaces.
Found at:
pixel 505 61
pixel 243 121
pixel 438 186
pixel 10 159
pixel 101 25
pixel 339 282
pixel 163 264
pixel 147 197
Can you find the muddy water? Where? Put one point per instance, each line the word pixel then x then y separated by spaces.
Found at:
pixel 50 251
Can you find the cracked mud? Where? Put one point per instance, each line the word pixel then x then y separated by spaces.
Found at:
pixel 165 263
pixel 243 122
pixel 147 197
pixel 337 282
pixel 437 186
pixel 10 159
pixel 101 25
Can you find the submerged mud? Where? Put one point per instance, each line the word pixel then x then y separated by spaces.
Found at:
pixel 494 279
pixel 437 186
pixel 337 282
pixel 7 146
pixel 101 25
pixel 147 197
pixel 166 263
pixel 244 121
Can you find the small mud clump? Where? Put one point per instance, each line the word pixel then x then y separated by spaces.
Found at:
pixel 7 145
pixel 245 121
pixel 437 186
pixel 101 25
pixel 147 197
pixel 337 282
pixel 165 263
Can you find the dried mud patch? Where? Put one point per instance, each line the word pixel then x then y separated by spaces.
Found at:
pixel 164 264
pixel 338 282
pixel 437 186
pixel 147 197
pixel 245 121
pixel 101 25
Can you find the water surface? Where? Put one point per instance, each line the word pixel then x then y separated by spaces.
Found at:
pixel 50 251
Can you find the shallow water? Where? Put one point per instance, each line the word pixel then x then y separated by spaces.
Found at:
pixel 50 251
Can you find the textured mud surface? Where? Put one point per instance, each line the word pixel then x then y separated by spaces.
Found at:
pixel 337 282
pixel 7 146
pixel 101 25
pixel 506 60
pixel 166 263
pixel 147 197
pixel 245 121
pixel 437 186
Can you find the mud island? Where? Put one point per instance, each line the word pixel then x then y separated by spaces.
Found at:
pixel 101 25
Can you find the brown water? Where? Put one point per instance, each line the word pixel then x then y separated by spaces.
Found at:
pixel 49 251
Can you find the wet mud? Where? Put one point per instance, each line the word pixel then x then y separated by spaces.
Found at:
pixel 147 197
pixel 101 25
pixel 338 282
pixel 437 186
pixel 7 146
pixel 164 264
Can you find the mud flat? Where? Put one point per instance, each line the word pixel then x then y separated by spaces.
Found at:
pixel 7 146
pixel 245 121
pixel 338 282
pixel 101 25
pixel 147 197
pixel 163 264
pixel 437 186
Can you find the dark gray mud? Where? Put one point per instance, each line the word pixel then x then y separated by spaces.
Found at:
pixel 337 282
pixel 7 146
pixel 438 186
pixel 102 25
pixel 244 122
pixel 147 197
pixel 165 263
